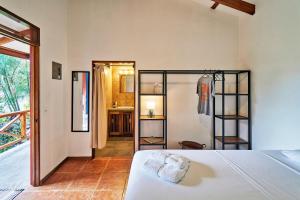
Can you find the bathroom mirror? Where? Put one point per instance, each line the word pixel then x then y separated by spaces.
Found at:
pixel 126 83
pixel 80 101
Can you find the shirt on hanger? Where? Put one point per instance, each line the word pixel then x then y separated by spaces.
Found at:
pixel 205 91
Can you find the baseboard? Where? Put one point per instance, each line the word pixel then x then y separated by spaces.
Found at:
pixel 60 164
pixel 80 157
pixel 53 171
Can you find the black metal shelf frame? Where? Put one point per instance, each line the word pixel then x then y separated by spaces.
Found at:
pixel 236 140
pixel 164 95
pixel 223 94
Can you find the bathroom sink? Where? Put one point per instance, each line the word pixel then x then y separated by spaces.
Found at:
pixel 125 107
pixel 122 108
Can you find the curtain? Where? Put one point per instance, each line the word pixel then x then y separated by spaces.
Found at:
pixel 99 108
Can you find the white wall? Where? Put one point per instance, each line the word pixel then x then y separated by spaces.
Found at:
pixel 270 46
pixel 50 17
pixel 173 34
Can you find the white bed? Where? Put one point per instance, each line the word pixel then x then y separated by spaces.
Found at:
pixel 220 175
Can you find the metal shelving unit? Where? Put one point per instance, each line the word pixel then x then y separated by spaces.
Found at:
pixel 225 139
pixel 162 141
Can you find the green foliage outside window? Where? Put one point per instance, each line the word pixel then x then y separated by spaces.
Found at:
pixel 14 91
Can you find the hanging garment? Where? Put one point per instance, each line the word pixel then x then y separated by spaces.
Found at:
pixel 99 111
pixel 205 91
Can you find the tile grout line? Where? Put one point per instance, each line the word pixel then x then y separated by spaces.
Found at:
pixel 125 186
pixel 75 175
pixel 100 178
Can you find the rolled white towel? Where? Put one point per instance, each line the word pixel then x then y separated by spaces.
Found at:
pixel 160 156
pixel 153 166
pixel 172 173
pixel 177 160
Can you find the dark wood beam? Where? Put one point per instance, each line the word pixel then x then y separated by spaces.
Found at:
pixel 238 5
pixel 5 40
pixel 14 53
pixel 215 5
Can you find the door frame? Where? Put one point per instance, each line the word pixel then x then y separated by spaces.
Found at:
pixel 34 42
pixel 134 113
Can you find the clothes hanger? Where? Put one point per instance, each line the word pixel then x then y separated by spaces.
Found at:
pixel 205 74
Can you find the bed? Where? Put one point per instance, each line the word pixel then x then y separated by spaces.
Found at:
pixel 220 175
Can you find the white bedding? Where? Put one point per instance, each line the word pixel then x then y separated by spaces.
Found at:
pixel 219 175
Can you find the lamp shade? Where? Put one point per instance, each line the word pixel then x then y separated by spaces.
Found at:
pixel 150 105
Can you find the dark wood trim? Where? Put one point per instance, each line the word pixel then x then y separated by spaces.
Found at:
pixel 34 116
pixel 34 88
pixel 80 158
pixel 53 171
pixel 240 5
pixel 215 5
pixel 9 29
pixel 14 53
pixel 33 31
pixel 134 111
pixel 15 17
pixel 89 103
pixel 134 68
pixel 5 40
pixel 93 153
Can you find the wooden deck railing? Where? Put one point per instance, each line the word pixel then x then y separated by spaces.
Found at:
pixel 23 133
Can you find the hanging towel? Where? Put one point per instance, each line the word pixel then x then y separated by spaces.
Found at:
pixel 205 91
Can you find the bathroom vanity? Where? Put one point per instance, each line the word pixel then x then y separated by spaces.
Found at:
pixel 121 121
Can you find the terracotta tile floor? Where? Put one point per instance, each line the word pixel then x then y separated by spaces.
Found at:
pixel 76 179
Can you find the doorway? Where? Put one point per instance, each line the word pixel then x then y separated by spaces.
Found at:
pixel 120 108
pixel 19 45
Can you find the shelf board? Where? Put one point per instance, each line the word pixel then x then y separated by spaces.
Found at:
pixel 231 117
pixel 150 94
pixel 155 117
pixel 231 140
pixel 144 142
pixel 231 94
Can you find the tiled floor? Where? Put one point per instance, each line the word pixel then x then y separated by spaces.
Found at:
pixel 101 178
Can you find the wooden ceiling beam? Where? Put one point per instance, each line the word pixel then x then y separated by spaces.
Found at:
pixel 240 5
pixel 5 40
pixel 14 53
pixel 215 5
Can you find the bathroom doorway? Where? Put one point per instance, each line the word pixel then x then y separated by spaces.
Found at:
pixel 118 121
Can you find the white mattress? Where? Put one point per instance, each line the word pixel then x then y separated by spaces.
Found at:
pixel 219 175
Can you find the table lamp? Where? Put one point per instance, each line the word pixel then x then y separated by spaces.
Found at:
pixel 150 106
